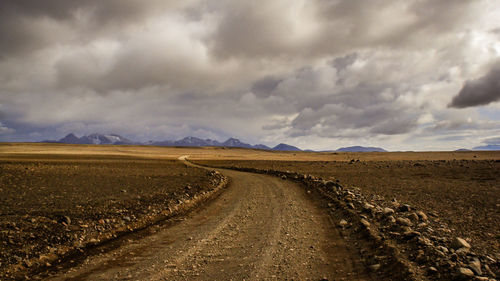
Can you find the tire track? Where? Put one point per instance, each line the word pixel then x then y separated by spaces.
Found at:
pixel 260 228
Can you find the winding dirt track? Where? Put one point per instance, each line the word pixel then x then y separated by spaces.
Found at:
pixel 260 228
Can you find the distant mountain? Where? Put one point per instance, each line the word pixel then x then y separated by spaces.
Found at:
pixel 71 138
pixel 187 141
pixel 193 141
pixel 105 139
pixel 361 149
pixel 261 146
pixel 286 147
pixel 488 147
pixel 232 142
pixel 94 139
pixel 462 149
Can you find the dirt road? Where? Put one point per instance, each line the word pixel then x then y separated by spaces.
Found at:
pixel 260 228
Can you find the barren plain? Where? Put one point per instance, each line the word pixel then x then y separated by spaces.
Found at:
pixel 61 206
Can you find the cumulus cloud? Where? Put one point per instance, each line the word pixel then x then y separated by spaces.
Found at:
pixel 481 91
pixel 302 72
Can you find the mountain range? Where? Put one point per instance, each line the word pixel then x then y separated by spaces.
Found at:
pixel 94 139
pixel 187 141
pixel 361 149
pixel 192 142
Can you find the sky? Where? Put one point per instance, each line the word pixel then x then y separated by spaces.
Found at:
pixel 317 74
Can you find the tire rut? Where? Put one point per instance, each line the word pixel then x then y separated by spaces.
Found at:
pixel 260 228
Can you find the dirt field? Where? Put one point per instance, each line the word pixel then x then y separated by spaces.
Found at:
pixel 99 188
pixel 51 200
pixel 465 193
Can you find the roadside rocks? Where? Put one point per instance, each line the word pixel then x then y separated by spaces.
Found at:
pixel 413 217
pixel 421 242
pixel 475 265
pixel 40 241
pixel 64 220
pixel 343 223
pixel 464 273
pixel 422 215
pixel 459 243
pixel 404 208
pixel 404 222
pixel 375 267
pixel 365 222
pixel 387 211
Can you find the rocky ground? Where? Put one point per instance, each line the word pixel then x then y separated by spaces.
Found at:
pixel 419 207
pixel 52 206
pixel 259 228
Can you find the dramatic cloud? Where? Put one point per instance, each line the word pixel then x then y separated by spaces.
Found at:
pixel 494 140
pixel 316 74
pixel 482 91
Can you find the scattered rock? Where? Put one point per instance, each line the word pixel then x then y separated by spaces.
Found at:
pixel 475 265
pixel 489 271
pixel 424 241
pixel 343 223
pixel 28 264
pixel 395 204
pixel 403 221
pixel 432 270
pixel 409 234
pixel 443 249
pixel 413 217
pixel 422 215
pixel 459 243
pixel 375 267
pixel 388 211
pixel 404 208
pixel 126 218
pixel 463 251
pixel 365 222
pixel 422 224
pixel 464 273
pixel 391 219
pixel 368 206
pixel 65 220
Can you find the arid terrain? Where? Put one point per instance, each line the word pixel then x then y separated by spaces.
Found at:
pixel 59 202
pixel 464 193
pixel 56 203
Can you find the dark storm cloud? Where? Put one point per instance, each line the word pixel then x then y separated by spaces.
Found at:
pixel 481 91
pixel 26 26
